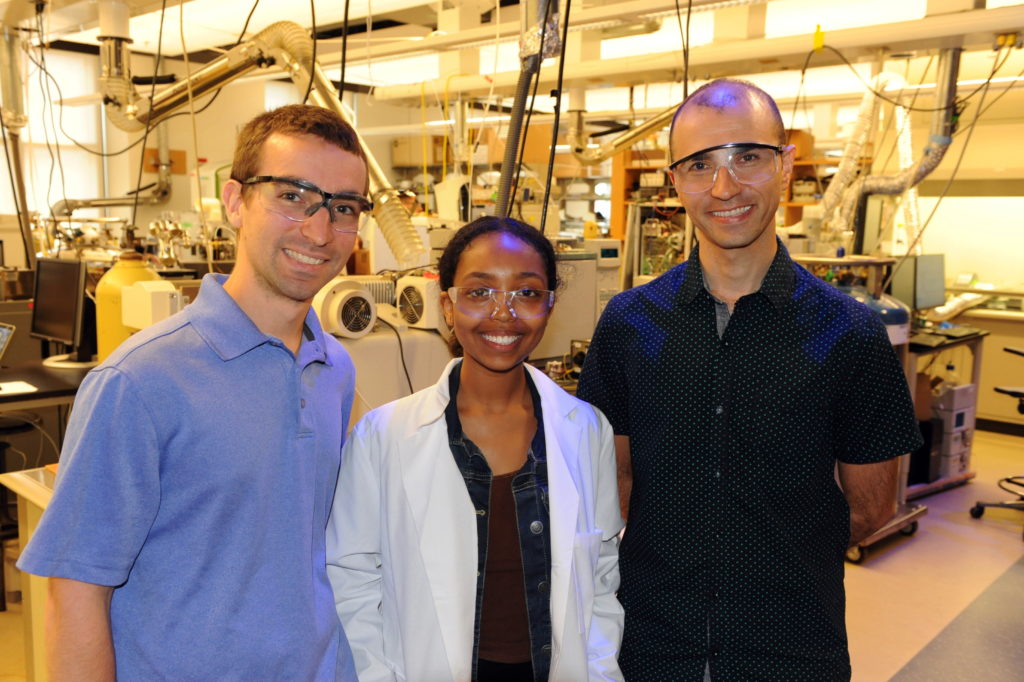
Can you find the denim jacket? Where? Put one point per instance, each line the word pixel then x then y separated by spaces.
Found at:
pixel 530 492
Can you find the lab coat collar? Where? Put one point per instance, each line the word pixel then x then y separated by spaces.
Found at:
pixel 433 406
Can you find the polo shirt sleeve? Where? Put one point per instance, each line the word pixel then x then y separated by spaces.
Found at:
pixel 874 416
pixel 603 380
pixel 108 487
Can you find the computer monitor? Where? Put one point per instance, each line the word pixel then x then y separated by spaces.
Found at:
pixel 920 281
pixel 62 312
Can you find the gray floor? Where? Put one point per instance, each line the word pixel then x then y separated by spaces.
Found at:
pixel 983 643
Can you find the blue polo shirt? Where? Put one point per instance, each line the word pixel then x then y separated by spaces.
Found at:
pixel 196 478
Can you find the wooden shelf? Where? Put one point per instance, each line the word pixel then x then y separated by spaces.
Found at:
pixel 794 210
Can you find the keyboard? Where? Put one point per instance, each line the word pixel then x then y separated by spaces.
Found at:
pixel 927 339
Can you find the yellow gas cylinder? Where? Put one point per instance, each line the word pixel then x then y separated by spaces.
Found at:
pixel 110 332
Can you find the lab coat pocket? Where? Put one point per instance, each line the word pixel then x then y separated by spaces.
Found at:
pixel 586 549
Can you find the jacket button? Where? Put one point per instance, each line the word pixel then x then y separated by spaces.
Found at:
pixel 546 649
pixel 536 527
pixel 302 402
pixel 543 587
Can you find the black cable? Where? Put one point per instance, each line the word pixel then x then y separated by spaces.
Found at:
pixel 344 50
pixel 48 104
pixel 312 64
pixel 891 101
pixel 152 96
pixel 60 119
pixel 917 91
pixel 533 101
pixel 245 27
pixel 998 97
pixel 685 37
pixel 401 353
pixel 554 127
pixel 949 183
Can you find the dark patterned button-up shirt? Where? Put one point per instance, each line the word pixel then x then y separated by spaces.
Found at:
pixel 733 553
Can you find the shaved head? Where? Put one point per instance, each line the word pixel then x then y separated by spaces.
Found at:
pixel 723 94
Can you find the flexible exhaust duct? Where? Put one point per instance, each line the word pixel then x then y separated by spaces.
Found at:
pixel 840 217
pixel 284 43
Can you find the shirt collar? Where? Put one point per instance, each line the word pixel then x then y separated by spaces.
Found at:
pixel 777 286
pixel 230 333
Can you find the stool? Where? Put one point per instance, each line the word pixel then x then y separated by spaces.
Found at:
pixel 8 524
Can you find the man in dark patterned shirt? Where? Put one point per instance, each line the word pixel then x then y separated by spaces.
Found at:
pixel 738 385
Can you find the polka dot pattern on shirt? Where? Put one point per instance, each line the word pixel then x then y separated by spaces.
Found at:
pixel 733 553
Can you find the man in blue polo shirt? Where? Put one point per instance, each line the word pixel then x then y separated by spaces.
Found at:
pixel 185 537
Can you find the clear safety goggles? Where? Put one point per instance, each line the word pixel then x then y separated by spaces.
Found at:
pixel 297 200
pixel 749 163
pixel 524 304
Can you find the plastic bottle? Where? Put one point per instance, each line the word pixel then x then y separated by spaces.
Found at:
pixel 110 332
pixel 947 379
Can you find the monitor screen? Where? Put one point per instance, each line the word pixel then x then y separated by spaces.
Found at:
pixel 920 281
pixel 930 285
pixel 61 311
pixel 57 305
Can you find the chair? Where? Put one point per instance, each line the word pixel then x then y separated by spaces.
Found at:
pixel 1011 484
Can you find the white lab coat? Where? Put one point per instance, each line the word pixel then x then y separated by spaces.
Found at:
pixel 402 545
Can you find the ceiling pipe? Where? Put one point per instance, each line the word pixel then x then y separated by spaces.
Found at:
pixel 577 139
pixel 160 193
pixel 13 118
pixel 289 46
pixel 973 27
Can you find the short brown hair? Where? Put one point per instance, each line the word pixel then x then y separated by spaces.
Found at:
pixel 721 93
pixel 292 119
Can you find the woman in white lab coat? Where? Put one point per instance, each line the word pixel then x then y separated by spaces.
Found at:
pixel 476 538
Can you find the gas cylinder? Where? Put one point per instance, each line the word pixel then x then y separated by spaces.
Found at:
pixel 110 332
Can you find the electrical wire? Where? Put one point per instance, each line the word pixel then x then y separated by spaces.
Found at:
pixel 54 151
pixel 203 227
pixel 206 105
pixel 152 96
pixel 558 111
pixel 344 51
pixel 998 97
pixel 533 99
pixel 881 96
pixel 490 94
pixel 35 425
pixel 401 353
pixel 685 37
pixel 949 183
pixel 312 66
pixel 890 119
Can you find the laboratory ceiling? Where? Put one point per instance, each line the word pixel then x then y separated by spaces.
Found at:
pixel 470 47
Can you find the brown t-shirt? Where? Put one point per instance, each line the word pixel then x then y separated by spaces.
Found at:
pixel 504 627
